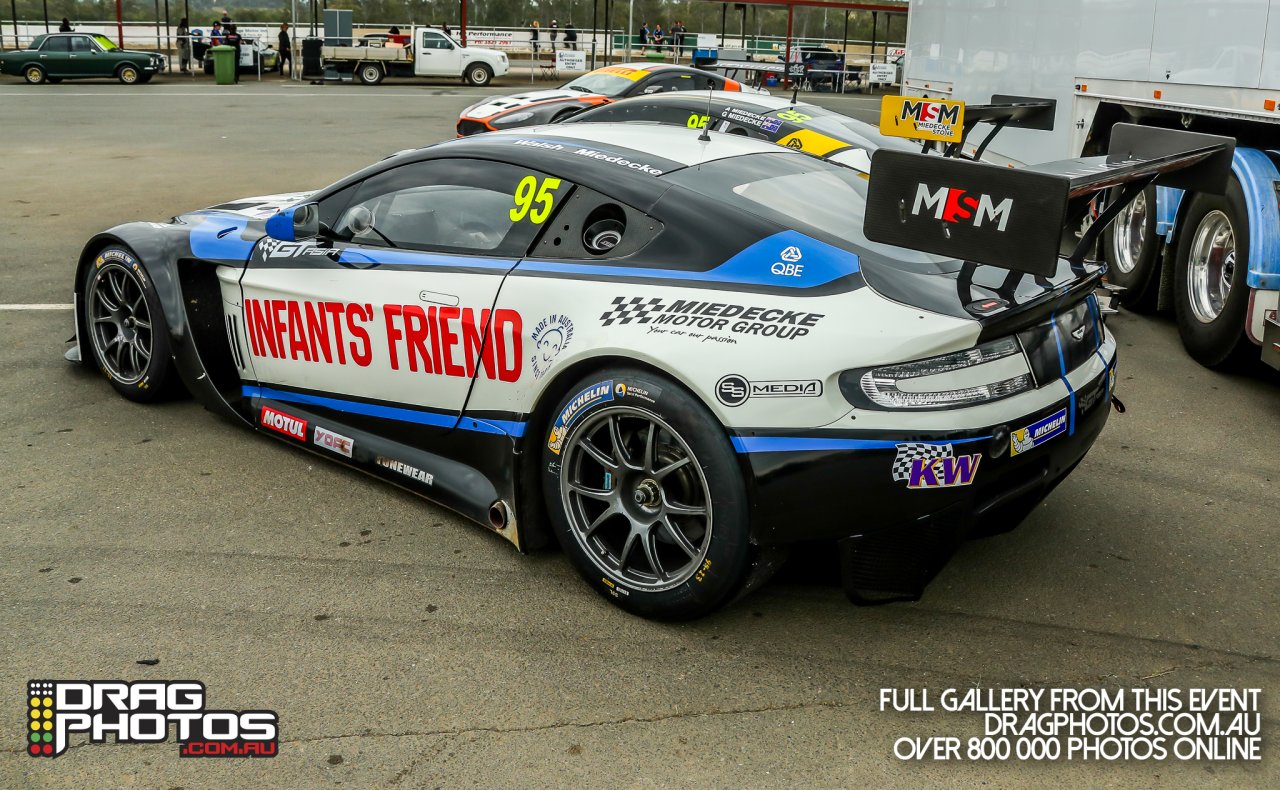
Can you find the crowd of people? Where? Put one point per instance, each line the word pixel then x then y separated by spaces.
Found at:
pixel 570 40
pixel 648 38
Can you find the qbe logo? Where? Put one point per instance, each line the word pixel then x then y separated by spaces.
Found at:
pixel 143 712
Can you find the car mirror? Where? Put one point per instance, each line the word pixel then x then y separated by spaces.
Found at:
pixel 295 223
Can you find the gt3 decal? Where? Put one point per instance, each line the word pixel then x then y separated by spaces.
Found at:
pixel 925 465
pixel 1036 434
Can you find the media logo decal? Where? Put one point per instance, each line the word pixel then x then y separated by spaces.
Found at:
pixel 925 465
pixel 1037 433
pixel 735 390
pixel 957 205
pixel 143 712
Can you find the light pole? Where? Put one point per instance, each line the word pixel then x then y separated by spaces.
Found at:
pixel 631 24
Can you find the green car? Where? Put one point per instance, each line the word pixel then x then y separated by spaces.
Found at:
pixel 55 57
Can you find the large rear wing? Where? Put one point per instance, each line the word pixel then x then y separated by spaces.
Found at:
pixel 1017 218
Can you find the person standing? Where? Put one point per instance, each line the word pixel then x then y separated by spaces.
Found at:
pixel 65 27
pixel 447 31
pixel 216 35
pixel 184 46
pixel 659 38
pixel 644 37
pixel 570 36
pixel 285 50
pixel 677 38
pixel 233 40
pixel 533 37
pixel 555 31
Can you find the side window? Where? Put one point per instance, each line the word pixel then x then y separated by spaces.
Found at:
pixel 453 205
pixel 57 44
pixel 82 44
pixel 679 82
pixel 435 41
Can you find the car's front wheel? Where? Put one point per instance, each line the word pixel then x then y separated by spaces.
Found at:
pixel 127 334
pixel 479 75
pixel 128 74
pixel 34 75
pixel 646 495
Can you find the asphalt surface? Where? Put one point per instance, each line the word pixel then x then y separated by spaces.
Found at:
pixel 404 647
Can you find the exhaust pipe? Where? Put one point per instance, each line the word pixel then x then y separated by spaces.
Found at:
pixel 499 515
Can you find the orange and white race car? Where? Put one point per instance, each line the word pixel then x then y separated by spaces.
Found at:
pixel 591 89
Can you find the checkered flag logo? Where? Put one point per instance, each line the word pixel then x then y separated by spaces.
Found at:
pixel 910 451
pixel 628 309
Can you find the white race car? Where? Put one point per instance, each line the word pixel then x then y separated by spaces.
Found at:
pixel 676 353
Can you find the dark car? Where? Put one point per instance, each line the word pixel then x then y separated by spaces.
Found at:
pixel 796 125
pixel 55 57
pixel 594 88
pixel 821 64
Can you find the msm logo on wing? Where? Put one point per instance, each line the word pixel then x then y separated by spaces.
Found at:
pixel 957 205
pixel 930 112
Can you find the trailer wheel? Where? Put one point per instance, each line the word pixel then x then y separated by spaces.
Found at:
pixel 479 75
pixel 1211 297
pixel 1132 250
pixel 370 73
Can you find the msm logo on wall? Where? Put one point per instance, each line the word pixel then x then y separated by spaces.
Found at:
pixel 144 712
pixel 957 205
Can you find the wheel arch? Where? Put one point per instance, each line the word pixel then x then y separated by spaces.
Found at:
pixel 160 253
pixel 535 529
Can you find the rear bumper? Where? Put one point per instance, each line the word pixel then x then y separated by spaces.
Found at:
pixel 897 531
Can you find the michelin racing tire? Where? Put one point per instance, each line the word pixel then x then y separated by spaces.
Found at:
pixel 646 496
pixel 1132 250
pixel 124 327
pixel 1210 292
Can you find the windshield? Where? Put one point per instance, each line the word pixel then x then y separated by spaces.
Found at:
pixel 815 197
pixel 609 81
pixel 105 43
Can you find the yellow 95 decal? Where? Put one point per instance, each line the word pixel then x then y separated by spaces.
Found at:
pixel 697 121
pixel 534 199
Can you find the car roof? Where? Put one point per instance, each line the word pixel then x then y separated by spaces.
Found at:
pixel 646 66
pixel 757 101
pixel 673 143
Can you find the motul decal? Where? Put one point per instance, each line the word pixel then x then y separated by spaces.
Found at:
pixel 278 421
pixel 957 205
pixel 438 340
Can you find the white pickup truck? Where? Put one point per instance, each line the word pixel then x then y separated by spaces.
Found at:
pixel 430 53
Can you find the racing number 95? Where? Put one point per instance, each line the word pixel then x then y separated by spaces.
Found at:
pixel 697 121
pixel 534 199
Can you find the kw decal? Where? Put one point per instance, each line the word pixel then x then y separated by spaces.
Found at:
pixel 924 465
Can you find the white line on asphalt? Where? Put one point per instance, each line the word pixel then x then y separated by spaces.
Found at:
pixel 35 307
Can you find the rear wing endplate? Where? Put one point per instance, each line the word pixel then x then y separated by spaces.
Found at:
pixel 1016 218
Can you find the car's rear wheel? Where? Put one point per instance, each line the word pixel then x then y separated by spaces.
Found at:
pixel 1211 295
pixel 34 75
pixel 479 75
pixel 1133 252
pixel 128 74
pixel 370 74
pixel 646 495
pixel 127 334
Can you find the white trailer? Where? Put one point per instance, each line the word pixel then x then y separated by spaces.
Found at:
pixel 1205 65
pixel 430 52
